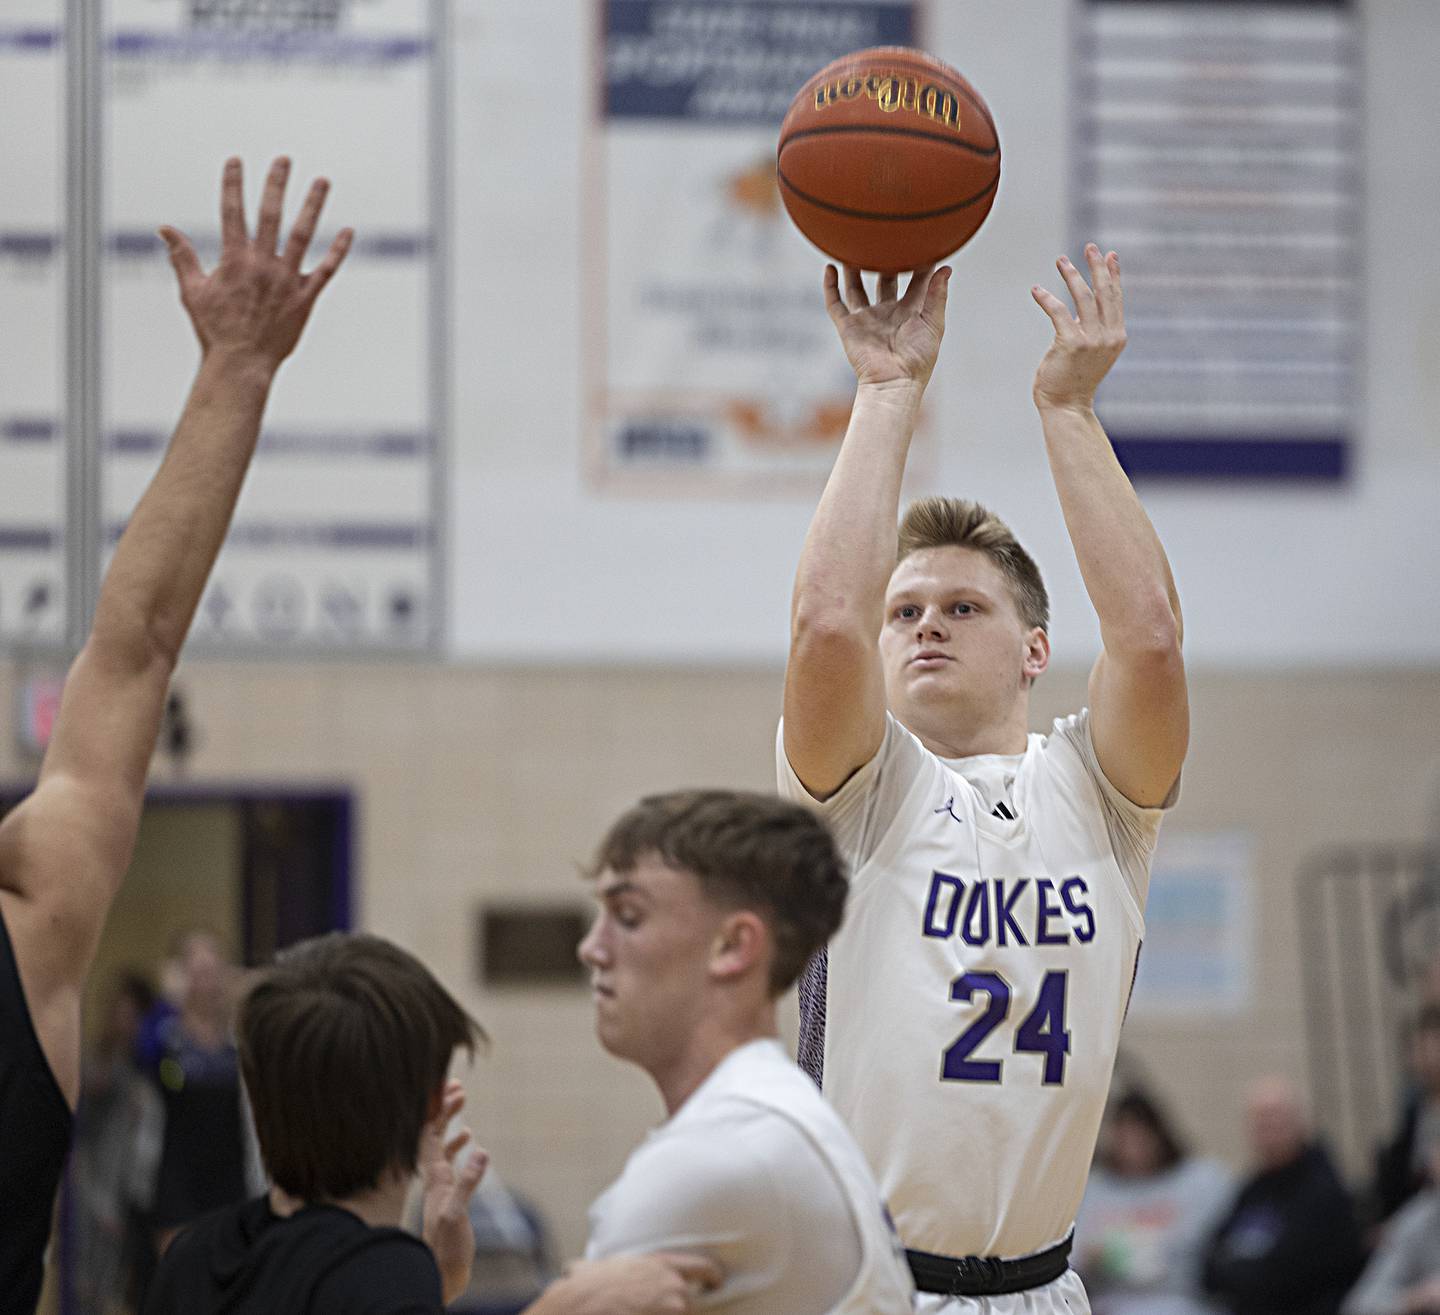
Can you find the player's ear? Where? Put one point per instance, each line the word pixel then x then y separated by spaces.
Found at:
pixel 1036 658
pixel 741 942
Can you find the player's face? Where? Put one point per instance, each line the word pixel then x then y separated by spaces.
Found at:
pixel 1134 1147
pixel 953 634
pixel 1277 1126
pixel 206 977
pixel 648 954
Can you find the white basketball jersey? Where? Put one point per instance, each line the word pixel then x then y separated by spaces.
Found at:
pixel 965 1020
pixel 757 1171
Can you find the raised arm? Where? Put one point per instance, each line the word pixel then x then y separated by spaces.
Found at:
pixel 64 849
pixel 834 688
pixel 1139 709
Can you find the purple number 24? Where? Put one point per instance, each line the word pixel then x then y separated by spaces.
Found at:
pixel 1042 1032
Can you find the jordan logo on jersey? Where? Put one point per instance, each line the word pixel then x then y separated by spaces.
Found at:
pixel 949 807
pixel 1001 810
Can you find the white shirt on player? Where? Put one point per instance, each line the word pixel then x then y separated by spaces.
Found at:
pixel 969 1009
pixel 757 1171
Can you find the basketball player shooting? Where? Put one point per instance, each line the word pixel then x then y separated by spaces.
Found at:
pixel 966 1017
pixel 64 850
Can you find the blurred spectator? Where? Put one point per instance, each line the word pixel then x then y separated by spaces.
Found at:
pixel 1290 1244
pixel 1148 1211
pixel 1403 1277
pixel 165 1005
pixel 1401 1166
pixel 116 1152
pixel 207 1157
pixel 1430 982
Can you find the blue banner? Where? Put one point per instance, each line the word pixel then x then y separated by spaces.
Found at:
pixel 736 63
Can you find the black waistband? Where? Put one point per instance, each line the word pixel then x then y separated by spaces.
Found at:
pixel 985 1276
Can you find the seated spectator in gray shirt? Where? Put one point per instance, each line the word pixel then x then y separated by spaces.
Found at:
pixel 1148 1211
pixel 1403 1276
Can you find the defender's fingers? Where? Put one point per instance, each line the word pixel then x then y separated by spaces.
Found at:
pixel 325 270
pixel 887 288
pixel 182 254
pixel 834 302
pixel 855 289
pixel 456 1143
pixel 303 230
pixel 452 1101
pixel 272 202
pixel 1080 292
pixel 232 208
pixel 700 1270
pixel 471 1172
pixel 1056 309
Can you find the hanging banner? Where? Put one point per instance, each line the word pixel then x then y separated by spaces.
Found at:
pixel 337 539
pixel 33 597
pixel 1217 147
pixel 711 363
pixel 1199 951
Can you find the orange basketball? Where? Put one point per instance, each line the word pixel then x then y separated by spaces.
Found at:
pixel 888 159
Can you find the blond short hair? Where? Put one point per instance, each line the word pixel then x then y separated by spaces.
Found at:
pixel 957 522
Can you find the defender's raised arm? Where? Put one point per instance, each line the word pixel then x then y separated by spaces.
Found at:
pixel 64 850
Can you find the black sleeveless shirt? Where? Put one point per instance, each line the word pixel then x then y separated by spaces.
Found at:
pixel 35 1123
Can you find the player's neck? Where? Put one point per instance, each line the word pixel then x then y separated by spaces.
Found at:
pixel 708 1046
pixel 949 736
pixel 381 1207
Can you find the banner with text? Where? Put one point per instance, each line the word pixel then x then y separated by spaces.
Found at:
pixel 1217 148
pixel 33 597
pixel 337 538
pixel 713 366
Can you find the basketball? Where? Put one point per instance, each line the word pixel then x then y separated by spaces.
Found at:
pixel 888 159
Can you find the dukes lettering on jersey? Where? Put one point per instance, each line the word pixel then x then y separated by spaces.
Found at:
pixel 1006 911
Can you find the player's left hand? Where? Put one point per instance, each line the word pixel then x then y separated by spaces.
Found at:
pixel 448 1185
pixel 255 302
pixel 1087 343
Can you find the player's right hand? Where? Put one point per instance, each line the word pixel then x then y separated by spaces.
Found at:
pixel 665 1283
pixel 897 339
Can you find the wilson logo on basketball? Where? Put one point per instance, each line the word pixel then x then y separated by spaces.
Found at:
pixel 893 92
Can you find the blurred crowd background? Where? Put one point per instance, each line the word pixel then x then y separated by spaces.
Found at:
pixel 1166 1227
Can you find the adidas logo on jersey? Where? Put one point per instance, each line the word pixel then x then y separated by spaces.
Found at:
pixel 1001 810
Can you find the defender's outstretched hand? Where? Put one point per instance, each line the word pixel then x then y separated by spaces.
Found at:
pixel 448 1181
pixel 1087 343
pixel 255 302
pixel 897 338
pixel 663 1283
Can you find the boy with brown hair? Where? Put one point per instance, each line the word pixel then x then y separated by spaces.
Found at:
pixel 345 1044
